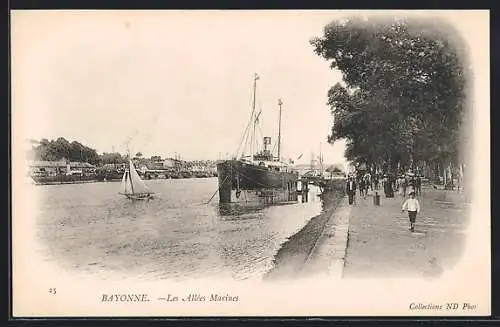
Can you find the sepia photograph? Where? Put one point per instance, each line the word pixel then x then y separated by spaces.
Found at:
pixel 250 163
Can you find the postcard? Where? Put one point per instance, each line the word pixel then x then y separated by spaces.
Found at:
pixel 250 163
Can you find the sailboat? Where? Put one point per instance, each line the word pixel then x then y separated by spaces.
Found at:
pixel 133 186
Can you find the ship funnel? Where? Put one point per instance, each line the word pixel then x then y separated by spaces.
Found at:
pixel 267 143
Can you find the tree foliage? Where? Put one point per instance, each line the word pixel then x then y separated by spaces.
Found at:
pixel 112 158
pixel 402 96
pixel 75 151
pixel 62 149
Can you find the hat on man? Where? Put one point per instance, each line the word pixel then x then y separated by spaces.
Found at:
pixel 411 193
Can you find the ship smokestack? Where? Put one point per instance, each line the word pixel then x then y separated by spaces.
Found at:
pixel 267 144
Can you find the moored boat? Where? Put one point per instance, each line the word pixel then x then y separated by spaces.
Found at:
pixel 260 177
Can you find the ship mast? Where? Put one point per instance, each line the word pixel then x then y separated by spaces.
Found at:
pixel 253 140
pixel 279 131
pixel 130 164
pixel 248 138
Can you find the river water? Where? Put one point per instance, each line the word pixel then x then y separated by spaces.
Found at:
pixel 92 229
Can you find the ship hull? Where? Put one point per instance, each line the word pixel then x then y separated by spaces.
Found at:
pixel 138 196
pixel 241 182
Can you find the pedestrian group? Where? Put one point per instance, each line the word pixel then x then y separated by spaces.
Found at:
pixel 405 184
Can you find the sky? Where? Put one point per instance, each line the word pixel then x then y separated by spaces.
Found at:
pixel 172 82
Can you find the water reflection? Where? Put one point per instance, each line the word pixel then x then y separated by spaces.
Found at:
pixel 237 209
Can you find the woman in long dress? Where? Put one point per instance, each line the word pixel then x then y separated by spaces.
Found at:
pixel 389 193
pixel 402 186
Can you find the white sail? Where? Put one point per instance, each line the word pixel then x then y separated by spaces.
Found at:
pixel 126 187
pixel 138 186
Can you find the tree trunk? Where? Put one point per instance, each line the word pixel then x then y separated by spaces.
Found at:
pixel 466 182
pixel 448 176
pixel 437 173
pixel 450 170
pixel 460 177
pixel 444 176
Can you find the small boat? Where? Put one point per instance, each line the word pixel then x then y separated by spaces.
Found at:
pixel 133 186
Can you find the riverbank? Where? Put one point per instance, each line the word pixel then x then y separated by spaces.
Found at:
pixel 65 182
pixel 291 258
pixel 61 182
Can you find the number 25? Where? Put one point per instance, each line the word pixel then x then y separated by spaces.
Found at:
pixel 52 291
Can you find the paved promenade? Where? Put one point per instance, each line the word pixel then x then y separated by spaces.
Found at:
pixel 364 240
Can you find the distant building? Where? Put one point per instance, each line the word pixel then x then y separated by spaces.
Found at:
pixel 336 167
pixel 315 168
pixel 168 163
pixel 156 164
pixel 61 167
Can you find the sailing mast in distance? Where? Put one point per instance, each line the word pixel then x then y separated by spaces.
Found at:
pixel 253 139
pixel 280 102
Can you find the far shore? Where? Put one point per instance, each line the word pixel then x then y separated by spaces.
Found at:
pixel 101 181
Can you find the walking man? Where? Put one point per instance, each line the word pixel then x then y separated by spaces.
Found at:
pixel 361 184
pixel 368 183
pixel 375 181
pixel 351 189
pixel 413 207
pixel 412 184
pixel 418 184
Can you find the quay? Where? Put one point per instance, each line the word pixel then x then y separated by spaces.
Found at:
pixel 368 240
pixel 380 244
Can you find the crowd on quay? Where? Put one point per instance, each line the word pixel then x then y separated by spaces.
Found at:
pixel 406 184
pixel 389 183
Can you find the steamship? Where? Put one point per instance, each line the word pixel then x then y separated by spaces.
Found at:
pixel 260 177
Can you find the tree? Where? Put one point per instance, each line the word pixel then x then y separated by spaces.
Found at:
pixel 90 155
pixel 112 158
pixel 61 148
pixel 76 151
pixel 402 96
